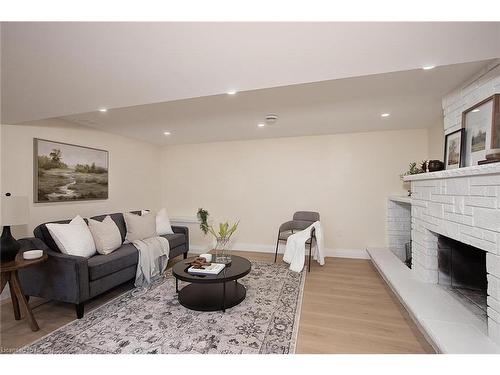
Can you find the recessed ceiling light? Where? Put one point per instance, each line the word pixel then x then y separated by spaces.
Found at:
pixel 261 124
pixel 475 110
pixel 385 115
pixel 271 119
pixel 428 67
pixel 103 110
pixel 167 133
pixel 232 92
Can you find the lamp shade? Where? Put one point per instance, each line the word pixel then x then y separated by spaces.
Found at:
pixel 14 210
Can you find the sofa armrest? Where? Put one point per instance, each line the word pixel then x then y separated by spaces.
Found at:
pixel 62 277
pixel 184 231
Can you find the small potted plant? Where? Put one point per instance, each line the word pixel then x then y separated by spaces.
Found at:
pixel 413 168
pixel 222 236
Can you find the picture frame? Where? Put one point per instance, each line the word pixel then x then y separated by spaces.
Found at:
pixel 453 146
pixel 64 172
pixel 481 124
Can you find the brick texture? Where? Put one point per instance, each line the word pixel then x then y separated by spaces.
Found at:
pixel 398 227
pixel 466 209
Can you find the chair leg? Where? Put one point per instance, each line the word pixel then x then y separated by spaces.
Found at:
pixel 185 255
pixel 79 310
pixel 276 253
pixel 310 254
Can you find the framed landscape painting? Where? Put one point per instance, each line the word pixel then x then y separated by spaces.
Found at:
pixel 65 172
pixel 482 129
pixel 453 150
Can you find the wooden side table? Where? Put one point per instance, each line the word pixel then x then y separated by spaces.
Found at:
pixel 8 273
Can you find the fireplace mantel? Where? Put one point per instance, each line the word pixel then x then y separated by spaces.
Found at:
pixel 476 170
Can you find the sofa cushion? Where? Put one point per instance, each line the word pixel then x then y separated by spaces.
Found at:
pixel 175 239
pixel 103 265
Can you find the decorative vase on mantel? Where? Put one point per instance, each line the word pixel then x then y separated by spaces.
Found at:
pixel 222 252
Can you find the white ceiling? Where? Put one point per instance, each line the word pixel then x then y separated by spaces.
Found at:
pixel 337 106
pixel 57 69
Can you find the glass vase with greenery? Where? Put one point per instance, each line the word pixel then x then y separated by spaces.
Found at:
pixel 222 236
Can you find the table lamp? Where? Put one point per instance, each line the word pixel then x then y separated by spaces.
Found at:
pixel 14 212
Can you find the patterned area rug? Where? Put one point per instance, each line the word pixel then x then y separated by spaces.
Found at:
pixel 152 321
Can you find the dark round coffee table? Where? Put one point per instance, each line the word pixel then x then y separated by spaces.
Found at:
pixel 212 292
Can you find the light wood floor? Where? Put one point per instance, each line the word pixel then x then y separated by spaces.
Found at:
pixel 347 308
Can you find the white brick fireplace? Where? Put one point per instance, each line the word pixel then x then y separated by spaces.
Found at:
pixel 462 204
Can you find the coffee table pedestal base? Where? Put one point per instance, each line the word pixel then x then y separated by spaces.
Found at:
pixel 212 297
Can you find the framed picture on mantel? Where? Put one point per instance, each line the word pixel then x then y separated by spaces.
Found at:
pixel 453 149
pixel 481 124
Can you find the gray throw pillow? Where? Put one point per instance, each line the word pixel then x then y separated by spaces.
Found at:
pixel 106 235
pixel 139 227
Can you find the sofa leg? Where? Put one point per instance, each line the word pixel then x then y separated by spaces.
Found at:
pixel 79 310
pixel 185 255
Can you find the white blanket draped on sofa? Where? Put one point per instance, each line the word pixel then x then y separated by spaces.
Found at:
pixel 153 259
pixel 295 251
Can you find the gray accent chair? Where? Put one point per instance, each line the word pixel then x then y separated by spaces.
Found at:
pixel 301 220
pixel 75 279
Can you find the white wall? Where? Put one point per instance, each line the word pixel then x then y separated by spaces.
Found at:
pixel 346 177
pixel 134 170
pixel 435 141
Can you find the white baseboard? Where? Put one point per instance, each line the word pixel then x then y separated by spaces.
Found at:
pixel 347 253
pixel 262 248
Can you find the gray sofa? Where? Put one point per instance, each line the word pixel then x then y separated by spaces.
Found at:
pixel 76 279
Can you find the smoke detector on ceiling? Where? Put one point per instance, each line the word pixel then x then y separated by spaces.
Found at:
pixel 271 119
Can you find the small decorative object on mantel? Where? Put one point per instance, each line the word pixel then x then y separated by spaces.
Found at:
pixel 222 237
pixel 482 132
pixel 413 169
pixel 432 166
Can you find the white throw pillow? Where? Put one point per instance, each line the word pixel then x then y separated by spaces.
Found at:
pixel 163 225
pixel 73 238
pixel 106 235
pixel 139 227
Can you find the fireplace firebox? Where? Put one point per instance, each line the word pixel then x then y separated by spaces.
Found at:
pixel 462 270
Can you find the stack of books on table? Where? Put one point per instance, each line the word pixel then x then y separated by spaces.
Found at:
pixel 212 269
